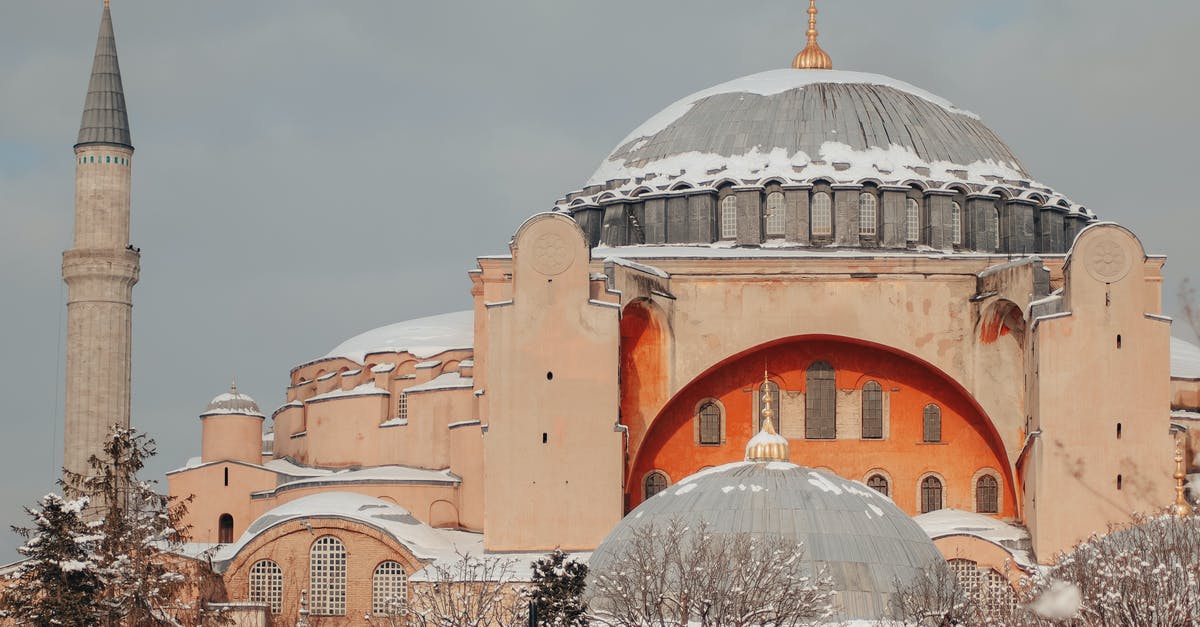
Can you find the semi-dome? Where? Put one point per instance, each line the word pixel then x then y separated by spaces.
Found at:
pixel 232 402
pixel 859 537
pixel 821 131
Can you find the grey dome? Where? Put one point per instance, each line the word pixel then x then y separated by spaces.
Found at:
pixel 857 535
pixel 797 124
pixel 232 402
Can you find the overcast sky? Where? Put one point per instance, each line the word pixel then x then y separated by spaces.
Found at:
pixel 307 170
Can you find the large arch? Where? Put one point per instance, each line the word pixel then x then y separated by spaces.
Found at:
pixel 910 384
pixel 644 380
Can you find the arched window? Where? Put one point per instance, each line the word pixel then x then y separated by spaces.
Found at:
pixel 868 212
pixel 872 411
pixel 770 389
pixel 709 419
pixel 987 495
pixel 820 403
pixel 931 494
pixel 967 574
pixel 879 483
pixel 822 215
pixel 266 585
pixel 996 229
pixel 388 590
pixel 225 529
pixel 932 423
pixel 327 577
pixel 655 482
pixel 729 217
pixel 776 214
pixel 912 220
pixel 956 224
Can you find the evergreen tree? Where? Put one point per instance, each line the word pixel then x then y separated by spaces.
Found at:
pixel 557 594
pixel 135 530
pixel 57 583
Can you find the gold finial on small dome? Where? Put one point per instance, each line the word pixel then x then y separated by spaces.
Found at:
pixel 106 4
pixel 768 445
pixel 812 57
pixel 1181 508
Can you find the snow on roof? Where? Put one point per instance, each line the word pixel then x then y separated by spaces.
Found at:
pixel 232 403
pixel 383 368
pixel 366 389
pixel 774 82
pixel 378 474
pixel 286 466
pixel 1185 359
pixel 726 250
pixel 447 381
pixel 651 270
pixel 952 522
pixel 423 337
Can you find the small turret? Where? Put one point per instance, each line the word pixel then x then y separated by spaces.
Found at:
pixel 232 429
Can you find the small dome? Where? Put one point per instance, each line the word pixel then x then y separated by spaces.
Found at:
pixel 423 337
pixel 858 536
pixel 232 402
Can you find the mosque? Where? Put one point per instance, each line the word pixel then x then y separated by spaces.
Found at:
pixel 940 333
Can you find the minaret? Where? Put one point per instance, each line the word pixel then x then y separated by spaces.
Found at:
pixel 101 267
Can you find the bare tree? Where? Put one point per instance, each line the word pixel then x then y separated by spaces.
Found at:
pixel 676 575
pixel 471 592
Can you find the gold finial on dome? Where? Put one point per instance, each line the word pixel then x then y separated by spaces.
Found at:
pixel 812 57
pixel 767 446
pixel 106 4
pixel 1181 508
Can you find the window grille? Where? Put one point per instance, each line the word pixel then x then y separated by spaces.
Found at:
pixel 266 585
pixel 820 403
pixel 879 483
pixel 931 494
pixel 655 482
pixel 710 423
pixel 998 598
pixel 771 389
pixel 868 211
pixel 872 411
pixel 987 495
pixel 912 220
pixel 388 590
pixel 327 577
pixel 729 217
pixel 956 224
pixel 776 214
pixel 967 574
pixel 822 215
pixel 225 529
pixel 932 421
pixel 402 406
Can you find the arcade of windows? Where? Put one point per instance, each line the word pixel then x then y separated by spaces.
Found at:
pixel 327 582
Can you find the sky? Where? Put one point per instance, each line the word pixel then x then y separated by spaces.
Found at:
pixel 307 170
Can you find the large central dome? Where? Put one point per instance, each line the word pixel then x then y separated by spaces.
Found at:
pixel 814 145
pixel 803 124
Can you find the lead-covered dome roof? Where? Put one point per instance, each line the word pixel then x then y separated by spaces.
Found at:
pixel 805 124
pixel 864 542
pixel 232 402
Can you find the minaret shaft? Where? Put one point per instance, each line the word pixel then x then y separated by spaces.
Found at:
pixel 101 267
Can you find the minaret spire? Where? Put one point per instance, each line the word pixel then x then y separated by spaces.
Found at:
pixel 105 120
pixel 812 57
pixel 101 267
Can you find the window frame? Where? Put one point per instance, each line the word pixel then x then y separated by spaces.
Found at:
pixel 912 220
pixel 956 221
pixel 327 569
pixel 868 215
pixel 815 380
pixel 653 474
pixel 775 218
pixel 265 585
pixel 379 606
pixel 921 492
pixel 998 487
pixel 877 389
pixel 887 482
pixel 820 229
pixel 698 418
pixel 727 217
pixel 225 532
pixel 928 426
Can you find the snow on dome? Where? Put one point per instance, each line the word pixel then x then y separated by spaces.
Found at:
pixel 1185 359
pixel 423 337
pixel 863 540
pixel 232 402
pixel 800 125
pixel 424 541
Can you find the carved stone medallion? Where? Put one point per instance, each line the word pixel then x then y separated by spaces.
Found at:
pixel 1107 260
pixel 550 254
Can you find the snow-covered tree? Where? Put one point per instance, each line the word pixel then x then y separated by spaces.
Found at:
pixel 676 575
pixel 133 530
pixel 58 581
pixel 557 590
pixel 470 592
